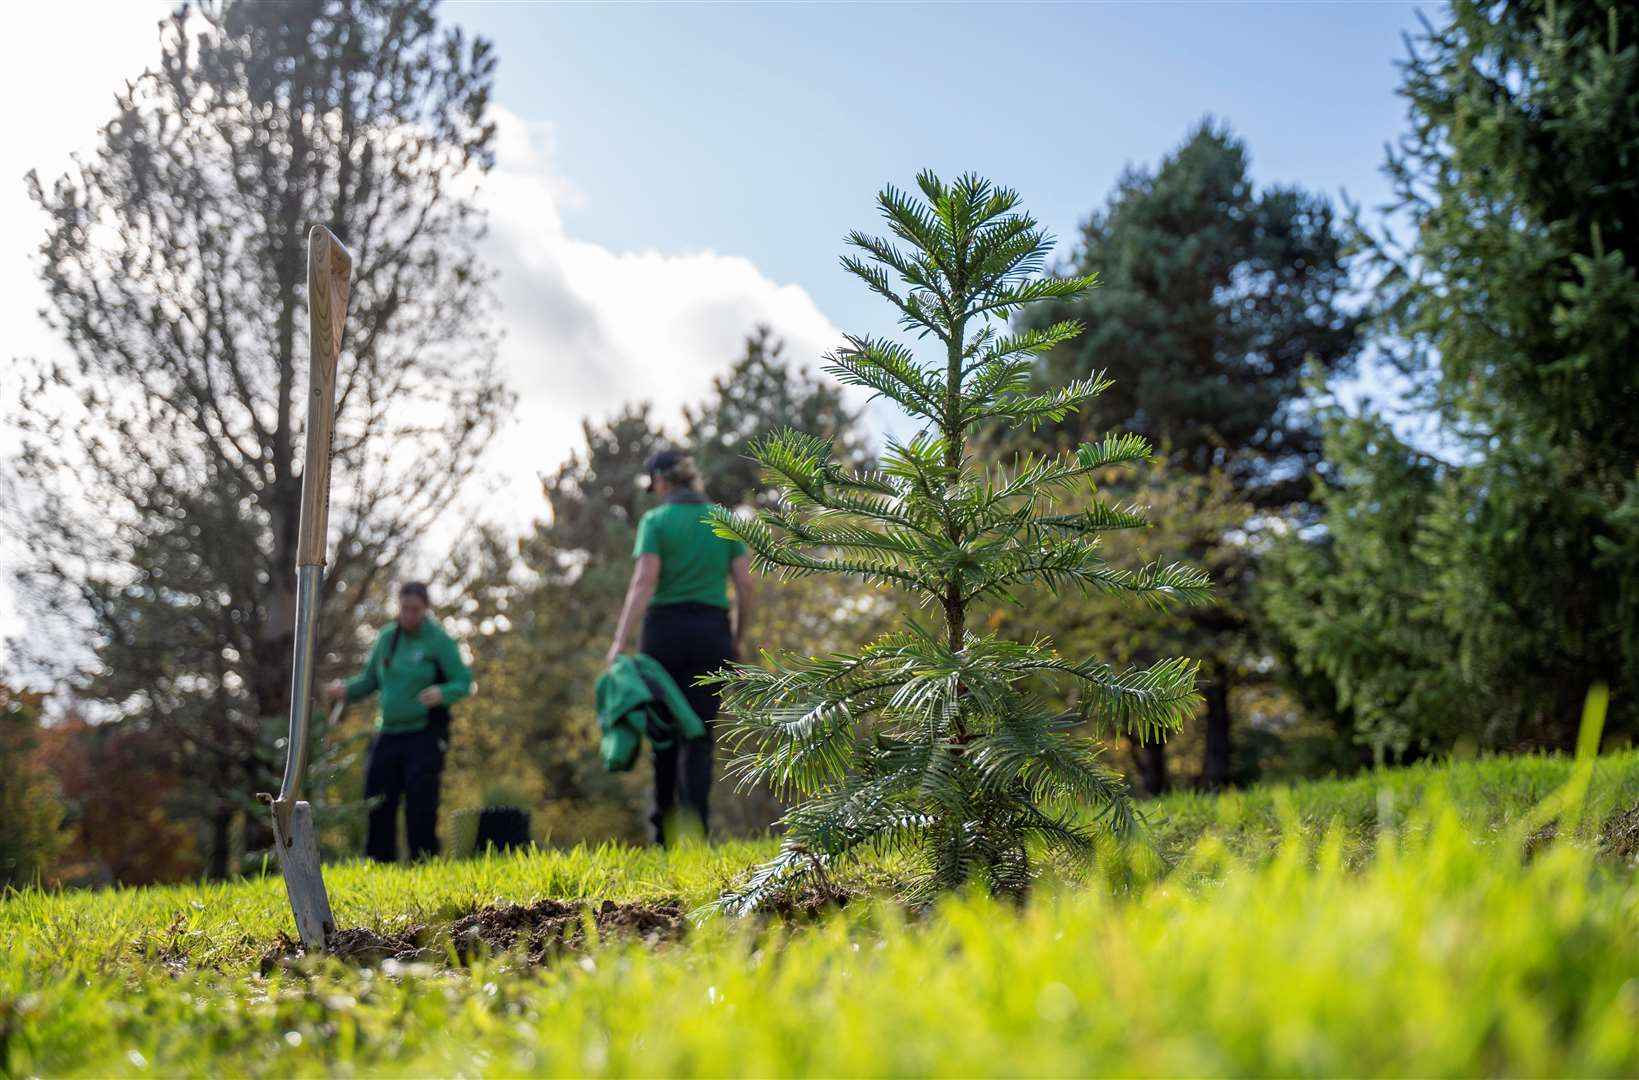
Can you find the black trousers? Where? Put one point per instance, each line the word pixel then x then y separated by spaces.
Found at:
pixel 689 640
pixel 406 766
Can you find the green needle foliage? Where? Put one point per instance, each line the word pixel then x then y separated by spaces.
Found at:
pixel 942 746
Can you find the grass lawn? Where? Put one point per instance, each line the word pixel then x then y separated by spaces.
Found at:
pixel 1417 922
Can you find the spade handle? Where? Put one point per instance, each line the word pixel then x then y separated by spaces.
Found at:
pixel 329 270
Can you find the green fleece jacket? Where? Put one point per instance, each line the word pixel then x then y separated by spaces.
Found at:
pixel 414 666
pixel 637 699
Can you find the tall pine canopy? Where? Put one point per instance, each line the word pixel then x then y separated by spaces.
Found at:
pixel 936 740
pixel 1515 303
pixel 1218 294
pixel 760 394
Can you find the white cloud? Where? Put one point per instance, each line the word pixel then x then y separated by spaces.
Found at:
pixel 588 329
pixel 55 111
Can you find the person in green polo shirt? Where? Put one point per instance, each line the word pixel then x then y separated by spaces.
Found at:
pixel 418 670
pixel 679 591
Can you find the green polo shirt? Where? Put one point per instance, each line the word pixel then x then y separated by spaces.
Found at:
pixel 694 561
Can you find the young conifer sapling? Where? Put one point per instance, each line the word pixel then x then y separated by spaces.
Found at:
pixel 939 741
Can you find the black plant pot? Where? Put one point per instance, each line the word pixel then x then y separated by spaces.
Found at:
pixel 502 827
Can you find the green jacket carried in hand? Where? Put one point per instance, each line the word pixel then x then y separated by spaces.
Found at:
pixel 637 700
pixel 427 657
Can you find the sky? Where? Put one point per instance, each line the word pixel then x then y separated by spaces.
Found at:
pixel 669 175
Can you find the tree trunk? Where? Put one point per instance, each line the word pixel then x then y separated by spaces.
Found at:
pixel 1215 764
pixel 221 842
pixel 257 832
pixel 1152 761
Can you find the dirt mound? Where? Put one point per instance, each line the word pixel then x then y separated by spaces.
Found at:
pixel 368 948
pixel 548 927
pixel 356 945
pixel 1619 834
pixel 537 932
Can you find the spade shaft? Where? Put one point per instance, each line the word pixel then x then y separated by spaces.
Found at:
pixel 308 581
pixel 329 266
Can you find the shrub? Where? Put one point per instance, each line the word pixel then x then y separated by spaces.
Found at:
pixel 30 812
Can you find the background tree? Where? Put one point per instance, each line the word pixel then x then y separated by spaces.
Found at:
pixel 118 787
pixel 159 479
pixel 761 394
pixel 1215 297
pixel 939 743
pixel 1359 602
pixel 1515 310
pixel 31 814
pixel 545 617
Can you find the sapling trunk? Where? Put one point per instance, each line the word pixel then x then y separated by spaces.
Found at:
pixel 955 606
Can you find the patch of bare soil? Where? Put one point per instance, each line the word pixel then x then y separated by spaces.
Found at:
pixel 807 902
pixel 357 945
pixel 1539 840
pixel 536 932
pixel 547 928
pixel 1619 835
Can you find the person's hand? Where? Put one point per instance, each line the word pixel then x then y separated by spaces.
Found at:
pixel 333 692
pixel 614 653
pixel 431 697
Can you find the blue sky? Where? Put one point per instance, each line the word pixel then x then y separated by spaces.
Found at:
pixel 763 130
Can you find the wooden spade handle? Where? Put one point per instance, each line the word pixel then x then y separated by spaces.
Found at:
pixel 328 268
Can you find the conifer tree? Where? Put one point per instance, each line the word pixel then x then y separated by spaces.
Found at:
pixel 1218 294
pixel 1481 595
pixel 763 393
pixel 937 741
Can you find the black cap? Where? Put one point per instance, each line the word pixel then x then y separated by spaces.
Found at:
pixel 663 461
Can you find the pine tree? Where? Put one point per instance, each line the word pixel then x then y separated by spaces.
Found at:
pixel 761 394
pixel 1218 295
pixel 938 742
pixel 1486 593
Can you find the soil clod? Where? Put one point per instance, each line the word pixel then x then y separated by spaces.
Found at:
pixel 355 945
pixel 806 902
